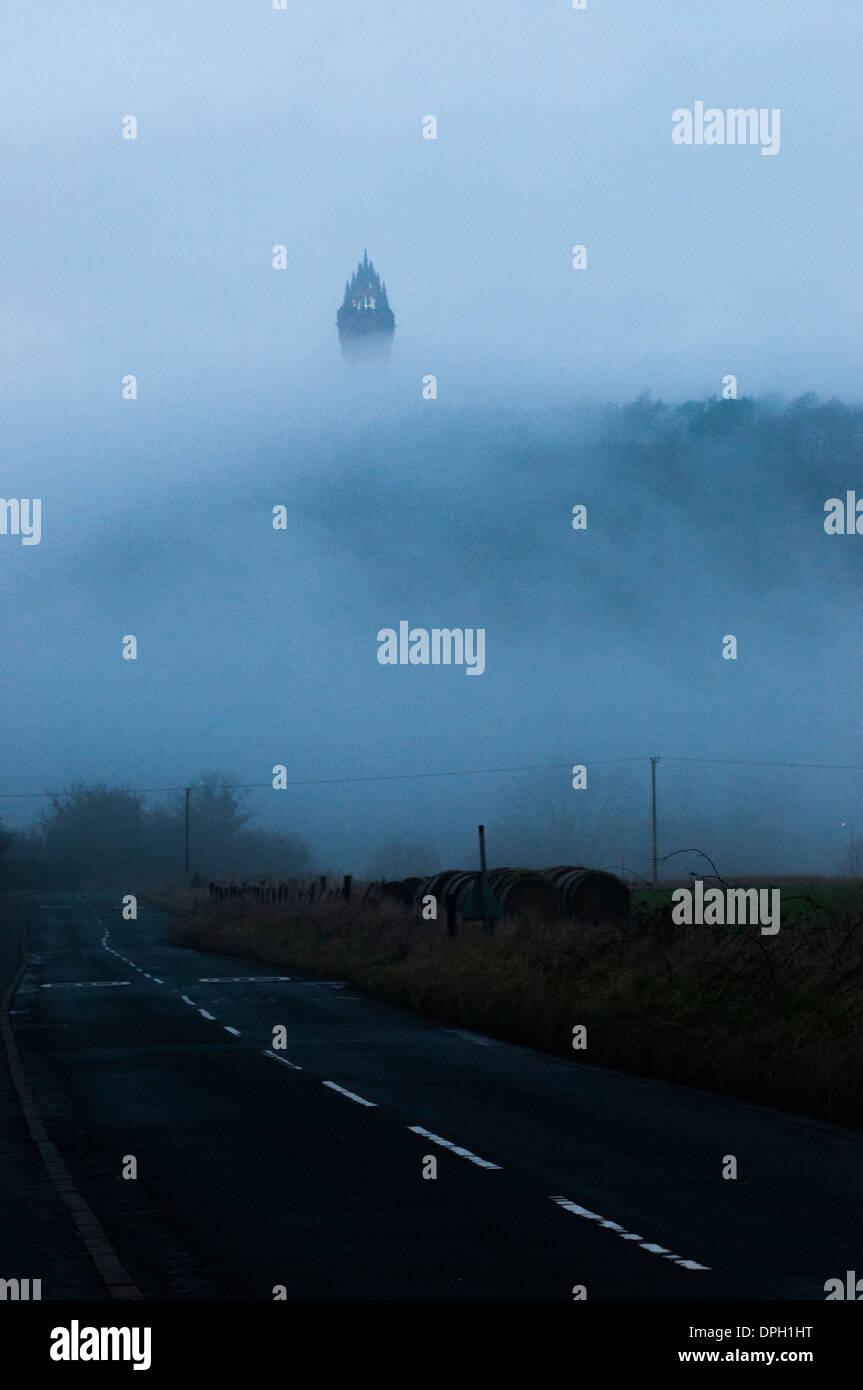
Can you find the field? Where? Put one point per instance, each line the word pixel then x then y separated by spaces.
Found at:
pixel 814 902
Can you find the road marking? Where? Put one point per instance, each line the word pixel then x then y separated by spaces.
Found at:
pixel 235 1031
pixel 240 979
pixel 157 981
pixel 626 1235
pixel 116 1279
pixel 211 1017
pixel 350 1094
pixel 455 1148
pixel 284 1061
pixel 86 984
pixel 186 1000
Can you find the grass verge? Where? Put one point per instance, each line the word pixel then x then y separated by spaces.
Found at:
pixel 769 1019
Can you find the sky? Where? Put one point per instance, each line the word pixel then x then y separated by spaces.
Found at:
pixel 303 128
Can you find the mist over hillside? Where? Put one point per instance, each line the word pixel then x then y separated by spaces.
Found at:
pixel 603 644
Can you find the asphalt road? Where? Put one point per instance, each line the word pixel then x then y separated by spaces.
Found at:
pixel 305 1168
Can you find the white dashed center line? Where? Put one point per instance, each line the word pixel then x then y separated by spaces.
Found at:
pixel 284 1061
pixel 350 1094
pixel 87 984
pixel 626 1235
pixel 455 1148
pixel 477 1038
pixel 241 979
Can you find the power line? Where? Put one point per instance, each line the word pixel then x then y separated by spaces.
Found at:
pixel 331 781
pixel 458 772
pixel 760 762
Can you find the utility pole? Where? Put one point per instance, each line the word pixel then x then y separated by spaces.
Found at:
pixel 653 762
pixel 188 794
pixel 854 864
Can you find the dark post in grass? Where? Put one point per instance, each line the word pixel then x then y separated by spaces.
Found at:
pixel 188 794
pixel 653 762
pixel 486 925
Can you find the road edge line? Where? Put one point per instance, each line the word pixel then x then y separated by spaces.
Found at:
pixel 116 1279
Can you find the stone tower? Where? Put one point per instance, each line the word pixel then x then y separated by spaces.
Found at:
pixel 365 319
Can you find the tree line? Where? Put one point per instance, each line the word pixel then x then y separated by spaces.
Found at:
pixel 94 834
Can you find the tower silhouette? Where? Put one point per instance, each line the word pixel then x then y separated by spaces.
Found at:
pixel 365 319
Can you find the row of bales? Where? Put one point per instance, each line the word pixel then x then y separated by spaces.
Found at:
pixel 573 891
pixel 566 890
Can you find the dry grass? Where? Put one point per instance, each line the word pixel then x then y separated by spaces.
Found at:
pixel 177 899
pixel 769 1019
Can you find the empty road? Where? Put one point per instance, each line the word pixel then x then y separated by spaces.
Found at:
pixel 302 1167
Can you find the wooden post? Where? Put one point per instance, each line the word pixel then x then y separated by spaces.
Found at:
pixel 653 762
pixel 486 925
pixel 186 857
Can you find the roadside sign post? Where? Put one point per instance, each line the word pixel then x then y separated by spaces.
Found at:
pixel 480 905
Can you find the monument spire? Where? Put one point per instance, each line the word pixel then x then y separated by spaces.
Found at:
pixel 365 316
